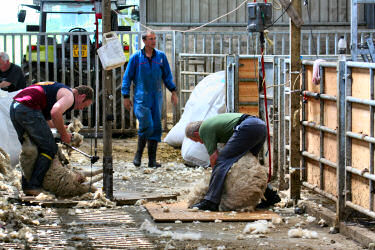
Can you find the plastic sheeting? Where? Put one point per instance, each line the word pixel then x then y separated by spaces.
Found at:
pixel 206 100
pixel 9 139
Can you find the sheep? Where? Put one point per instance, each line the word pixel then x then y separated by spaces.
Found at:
pixel 60 179
pixel 244 186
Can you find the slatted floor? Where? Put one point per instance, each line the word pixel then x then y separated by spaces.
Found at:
pixel 88 229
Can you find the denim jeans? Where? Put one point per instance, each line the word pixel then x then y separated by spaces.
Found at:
pixel 32 122
pixel 249 135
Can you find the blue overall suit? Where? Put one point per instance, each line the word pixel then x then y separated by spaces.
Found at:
pixel 147 76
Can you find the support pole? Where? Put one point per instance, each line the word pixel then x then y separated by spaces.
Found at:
pixel 294 126
pixel 108 111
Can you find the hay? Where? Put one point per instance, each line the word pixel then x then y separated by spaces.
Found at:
pixel 243 188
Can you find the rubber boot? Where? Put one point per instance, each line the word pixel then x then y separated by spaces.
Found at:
pixel 140 147
pixel 152 148
pixel 41 167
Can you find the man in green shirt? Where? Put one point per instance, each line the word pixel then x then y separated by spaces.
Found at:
pixel 241 133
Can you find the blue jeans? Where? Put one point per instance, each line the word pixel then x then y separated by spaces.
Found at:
pixel 249 135
pixel 32 122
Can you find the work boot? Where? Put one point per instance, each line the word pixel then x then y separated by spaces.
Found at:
pixel 206 205
pixel 152 148
pixel 32 192
pixel 140 147
pixel 41 167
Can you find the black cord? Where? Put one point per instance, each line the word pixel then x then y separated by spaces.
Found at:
pixel 280 15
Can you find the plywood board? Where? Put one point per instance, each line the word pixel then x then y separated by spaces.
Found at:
pixel 360 118
pixel 312 137
pixel 248 92
pixel 179 211
pixel 250 110
pixel 361 83
pixel 313 172
pixel 248 68
pixel 330 147
pixel 360 191
pixel 330 114
pixel 313 110
pixel 330 81
pixel 330 180
pixel 360 154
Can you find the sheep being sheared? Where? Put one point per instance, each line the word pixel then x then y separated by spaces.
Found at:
pixel 244 186
pixel 60 179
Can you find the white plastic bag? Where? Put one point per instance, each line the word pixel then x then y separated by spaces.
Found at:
pixel 9 139
pixel 206 100
pixel 111 53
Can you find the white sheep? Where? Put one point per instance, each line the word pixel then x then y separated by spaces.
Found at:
pixel 244 186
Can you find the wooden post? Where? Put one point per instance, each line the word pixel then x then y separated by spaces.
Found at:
pixel 108 111
pixel 294 126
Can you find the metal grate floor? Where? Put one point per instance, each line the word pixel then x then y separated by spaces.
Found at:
pixel 89 229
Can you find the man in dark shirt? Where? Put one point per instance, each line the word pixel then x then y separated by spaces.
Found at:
pixel 11 75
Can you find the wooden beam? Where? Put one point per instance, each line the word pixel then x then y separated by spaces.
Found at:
pixel 293 13
pixel 295 107
pixel 107 111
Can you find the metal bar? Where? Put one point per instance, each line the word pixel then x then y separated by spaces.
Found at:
pixel 360 101
pixel 303 130
pixel 320 96
pixel 281 104
pixel 360 209
pixel 319 159
pixel 323 64
pixel 340 174
pixel 46 70
pixel 348 146
pixel 63 59
pixel 54 59
pixel 361 137
pixel 182 55
pixel 319 191
pixel 319 127
pixel 195 73
pixel 275 120
pixel 360 65
pixel 321 133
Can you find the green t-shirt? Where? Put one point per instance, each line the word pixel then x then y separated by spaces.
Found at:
pixel 218 129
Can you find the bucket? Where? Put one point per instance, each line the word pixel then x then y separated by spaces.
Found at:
pixel 111 53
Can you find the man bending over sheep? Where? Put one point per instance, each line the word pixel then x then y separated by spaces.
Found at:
pixel 240 133
pixel 34 111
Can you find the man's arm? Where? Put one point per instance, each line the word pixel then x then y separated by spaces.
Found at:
pixel 4 83
pixel 213 158
pixel 65 100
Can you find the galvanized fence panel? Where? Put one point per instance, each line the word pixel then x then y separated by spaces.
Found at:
pixel 71 58
pixel 348 173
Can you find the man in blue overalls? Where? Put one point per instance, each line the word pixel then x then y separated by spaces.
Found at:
pixel 147 68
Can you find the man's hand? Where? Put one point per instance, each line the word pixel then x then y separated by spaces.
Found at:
pixel 128 104
pixel 66 137
pixel 174 98
pixel 213 158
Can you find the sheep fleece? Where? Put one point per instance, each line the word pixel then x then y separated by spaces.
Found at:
pixel 244 186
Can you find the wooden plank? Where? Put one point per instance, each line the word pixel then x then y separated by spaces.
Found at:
pixel 313 111
pixel 329 177
pixel 248 92
pixel 130 198
pixel 360 191
pixel 179 211
pixel 330 81
pixel 250 110
pixel 360 154
pixel 330 114
pixel 295 107
pixel 30 200
pixel 312 141
pixel 361 119
pixel 360 83
pixel 248 68
pixel 330 144
pixel 313 172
